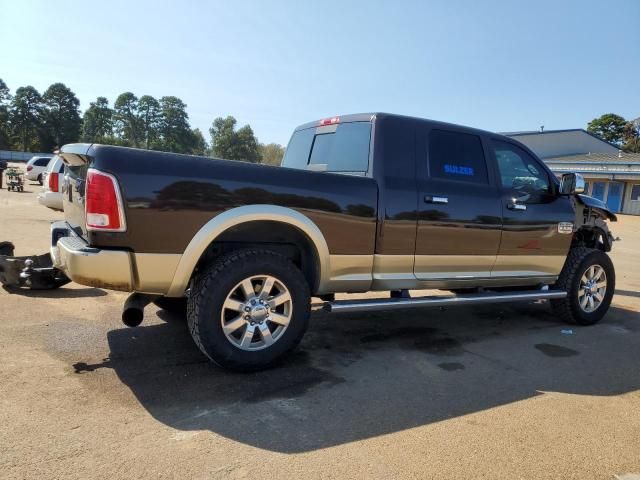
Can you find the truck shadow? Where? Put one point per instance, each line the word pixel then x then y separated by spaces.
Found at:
pixel 361 376
pixel 82 292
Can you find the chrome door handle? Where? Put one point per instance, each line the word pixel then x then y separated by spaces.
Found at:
pixel 435 199
pixel 516 206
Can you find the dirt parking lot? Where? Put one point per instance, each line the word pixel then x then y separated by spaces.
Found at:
pixel 483 392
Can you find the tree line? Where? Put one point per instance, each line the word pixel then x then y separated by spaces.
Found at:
pixel 615 129
pixel 33 122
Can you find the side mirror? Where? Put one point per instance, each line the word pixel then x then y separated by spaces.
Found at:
pixel 571 183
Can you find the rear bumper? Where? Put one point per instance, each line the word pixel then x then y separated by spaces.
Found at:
pixel 112 269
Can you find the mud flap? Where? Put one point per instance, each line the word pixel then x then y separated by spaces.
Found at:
pixel 35 271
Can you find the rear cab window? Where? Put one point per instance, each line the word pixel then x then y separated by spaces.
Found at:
pixel 41 162
pixel 341 148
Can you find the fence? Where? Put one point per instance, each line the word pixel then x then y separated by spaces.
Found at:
pixel 10 156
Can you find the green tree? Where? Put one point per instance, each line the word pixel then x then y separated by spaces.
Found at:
pixel 632 136
pixel 150 114
pixel 199 144
pixel 271 153
pixel 97 125
pixel 25 117
pixel 174 126
pixel 126 121
pixel 5 131
pixel 609 127
pixel 61 116
pixel 232 144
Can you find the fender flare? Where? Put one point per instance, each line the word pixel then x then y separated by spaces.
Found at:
pixel 235 216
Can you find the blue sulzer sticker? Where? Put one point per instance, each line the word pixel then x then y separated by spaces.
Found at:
pixel 459 170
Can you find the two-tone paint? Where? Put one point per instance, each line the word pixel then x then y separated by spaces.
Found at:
pixel 376 231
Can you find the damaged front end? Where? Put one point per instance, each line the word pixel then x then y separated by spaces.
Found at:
pixel 591 228
pixel 34 271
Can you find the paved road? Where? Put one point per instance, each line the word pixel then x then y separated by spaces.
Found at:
pixel 484 392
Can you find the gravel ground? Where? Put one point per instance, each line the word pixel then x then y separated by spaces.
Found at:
pixel 484 392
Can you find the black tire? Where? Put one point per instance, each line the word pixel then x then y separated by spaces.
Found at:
pixel 214 283
pixel 40 179
pixel 578 261
pixel 173 305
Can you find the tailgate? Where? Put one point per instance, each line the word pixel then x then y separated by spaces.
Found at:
pixel 77 161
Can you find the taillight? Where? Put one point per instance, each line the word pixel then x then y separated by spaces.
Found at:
pixel 53 182
pixel 103 204
pixel 29 168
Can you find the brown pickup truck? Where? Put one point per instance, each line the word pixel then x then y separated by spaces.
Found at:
pixel 367 202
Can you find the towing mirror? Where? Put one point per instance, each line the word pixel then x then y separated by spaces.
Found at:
pixel 571 183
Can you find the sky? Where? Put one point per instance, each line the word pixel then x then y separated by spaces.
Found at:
pixel 497 65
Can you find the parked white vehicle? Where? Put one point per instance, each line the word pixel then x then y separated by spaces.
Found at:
pixel 52 177
pixel 36 167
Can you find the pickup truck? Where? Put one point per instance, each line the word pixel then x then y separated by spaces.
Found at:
pixel 365 202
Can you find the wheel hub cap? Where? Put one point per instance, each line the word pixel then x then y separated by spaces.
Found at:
pixel 256 312
pixel 592 289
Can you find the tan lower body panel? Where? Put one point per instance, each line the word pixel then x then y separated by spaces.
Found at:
pixel 349 273
pixel 392 272
pixel 453 267
pixel 154 271
pixel 527 265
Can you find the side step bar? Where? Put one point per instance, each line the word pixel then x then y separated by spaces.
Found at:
pixel 341 306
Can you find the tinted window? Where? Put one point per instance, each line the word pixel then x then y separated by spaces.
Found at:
pixel 297 153
pixel 457 156
pixel 344 150
pixel 41 162
pixel 635 192
pixel 521 173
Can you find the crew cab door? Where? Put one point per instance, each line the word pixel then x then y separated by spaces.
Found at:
pixel 459 212
pixel 537 223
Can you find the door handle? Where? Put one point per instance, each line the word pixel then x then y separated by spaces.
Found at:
pixel 435 199
pixel 516 206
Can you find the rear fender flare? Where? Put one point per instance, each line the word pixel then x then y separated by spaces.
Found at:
pixel 235 216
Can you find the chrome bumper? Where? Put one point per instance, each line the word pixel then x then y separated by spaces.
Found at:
pixel 111 269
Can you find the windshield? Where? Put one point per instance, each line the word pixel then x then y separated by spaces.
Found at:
pixel 341 148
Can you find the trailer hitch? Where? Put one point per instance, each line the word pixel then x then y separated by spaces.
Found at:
pixel 34 271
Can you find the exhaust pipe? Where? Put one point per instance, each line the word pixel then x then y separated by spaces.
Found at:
pixel 133 310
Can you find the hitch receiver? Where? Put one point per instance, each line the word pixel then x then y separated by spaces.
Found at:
pixel 35 271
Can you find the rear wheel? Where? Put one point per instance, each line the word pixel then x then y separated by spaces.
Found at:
pixel 40 179
pixel 248 309
pixel 589 279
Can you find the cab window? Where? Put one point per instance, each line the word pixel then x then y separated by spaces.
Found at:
pixel 457 156
pixel 344 149
pixel 521 174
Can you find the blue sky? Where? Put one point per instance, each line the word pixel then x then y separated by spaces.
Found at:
pixel 498 65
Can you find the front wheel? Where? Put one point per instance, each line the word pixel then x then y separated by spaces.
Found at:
pixel 589 279
pixel 248 309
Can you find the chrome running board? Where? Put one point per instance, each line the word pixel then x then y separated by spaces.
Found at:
pixel 340 306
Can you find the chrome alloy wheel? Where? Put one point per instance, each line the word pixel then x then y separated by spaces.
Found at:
pixel 592 289
pixel 256 312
